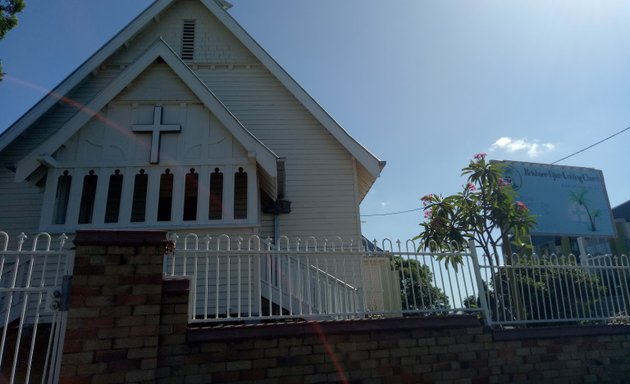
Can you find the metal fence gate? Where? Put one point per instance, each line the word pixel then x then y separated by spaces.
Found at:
pixel 34 287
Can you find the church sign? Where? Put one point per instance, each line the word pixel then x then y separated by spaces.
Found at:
pixel 566 201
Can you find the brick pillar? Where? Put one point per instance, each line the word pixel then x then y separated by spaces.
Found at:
pixel 174 350
pixel 114 318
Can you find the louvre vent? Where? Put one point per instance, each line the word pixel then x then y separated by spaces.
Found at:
pixel 188 40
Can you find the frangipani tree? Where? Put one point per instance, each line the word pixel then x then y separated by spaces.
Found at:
pixel 485 211
pixel 8 18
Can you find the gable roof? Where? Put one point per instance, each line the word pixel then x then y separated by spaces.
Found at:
pixel 264 156
pixel 370 162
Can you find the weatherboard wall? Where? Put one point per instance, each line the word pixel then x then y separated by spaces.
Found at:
pixel 20 206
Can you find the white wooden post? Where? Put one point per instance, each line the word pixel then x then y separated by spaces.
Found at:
pixel 177 202
pixel 203 194
pixel 74 201
pixel 153 192
pixel 100 199
pixel 252 193
pixel 50 198
pixel 228 193
pixel 126 196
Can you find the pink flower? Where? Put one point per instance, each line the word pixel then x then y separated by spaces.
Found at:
pixel 471 187
pixel 427 197
pixel 480 156
pixel 428 213
pixel 521 205
pixel 503 182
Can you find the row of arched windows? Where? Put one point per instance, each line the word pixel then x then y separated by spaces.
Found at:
pixel 192 193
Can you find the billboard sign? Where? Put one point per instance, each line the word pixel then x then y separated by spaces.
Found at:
pixel 567 201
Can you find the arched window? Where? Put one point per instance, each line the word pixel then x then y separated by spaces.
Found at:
pixel 139 200
pixel 216 195
pixel 240 194
pixel 191 189
pixel 88 196
pixel 114 191
pixel 165 200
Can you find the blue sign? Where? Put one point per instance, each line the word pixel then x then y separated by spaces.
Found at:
pixel 567 201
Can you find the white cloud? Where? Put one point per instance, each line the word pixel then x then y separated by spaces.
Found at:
pixel 532 147
pixel 384 203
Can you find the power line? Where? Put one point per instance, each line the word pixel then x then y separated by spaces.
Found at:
pixel 555 162
pixel 592 145
pixel 392 213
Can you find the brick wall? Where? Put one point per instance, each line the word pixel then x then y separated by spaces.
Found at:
pixel 453 349
pixel 128 324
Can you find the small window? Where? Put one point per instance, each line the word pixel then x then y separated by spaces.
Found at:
pixel 188 40
pixel 165 200
pixel 88 196
pixel 61 199
pixel 139 201
pixel 112 209
pixel 240 194
pixel 216 195
pixel 190 195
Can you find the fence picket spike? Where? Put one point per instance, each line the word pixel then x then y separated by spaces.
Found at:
pixel 21 237
pixel 62 240
pixel 5 236
pixel 173 238
pixel 207 238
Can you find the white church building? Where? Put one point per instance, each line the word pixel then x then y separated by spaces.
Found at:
pixel 182 122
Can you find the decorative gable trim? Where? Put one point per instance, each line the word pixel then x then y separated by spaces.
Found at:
pixel 264 156
pixel 370 162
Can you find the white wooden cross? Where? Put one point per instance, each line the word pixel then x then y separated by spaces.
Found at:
pixel 156 129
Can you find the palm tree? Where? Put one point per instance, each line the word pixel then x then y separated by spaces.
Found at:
pixel 580 198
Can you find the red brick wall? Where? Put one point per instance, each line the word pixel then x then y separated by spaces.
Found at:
pixel 127 324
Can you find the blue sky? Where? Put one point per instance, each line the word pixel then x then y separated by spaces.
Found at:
pixel 424 85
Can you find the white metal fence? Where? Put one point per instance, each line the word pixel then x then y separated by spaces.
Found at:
pixel 251 279
pixel 558 289
pixel 243 279
pixel 32 307
pixel 424 283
